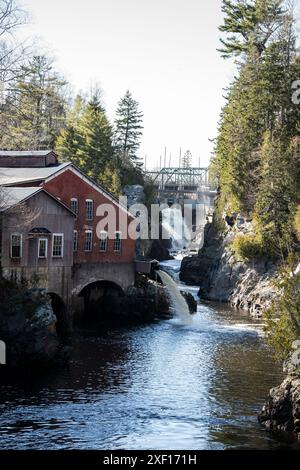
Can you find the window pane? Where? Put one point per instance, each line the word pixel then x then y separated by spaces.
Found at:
pixel 57 246
pixel 117 242
pixel 16 246
pixel 89 210
pixel 103 241
pixel 74 205
pixel 42 248
pixel 88 241
pixel 75 243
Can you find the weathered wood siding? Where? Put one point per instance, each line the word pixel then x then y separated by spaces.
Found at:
pixel 39 211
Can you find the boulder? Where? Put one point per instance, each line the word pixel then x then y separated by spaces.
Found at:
pixel 281 412
pixel 190 300
pixel 27 326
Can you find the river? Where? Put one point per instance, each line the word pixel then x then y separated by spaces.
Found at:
pixel 168 385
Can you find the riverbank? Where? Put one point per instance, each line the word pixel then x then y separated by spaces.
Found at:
pixel 167 385
pixel 222 276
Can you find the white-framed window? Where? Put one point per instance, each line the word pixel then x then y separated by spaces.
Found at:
pixel 16 246
pixel 103 241
pixel 75 240
pixel 42 247
pixel 74 205
pixel 118 242
pixel 88 242
pixel 58 245
pixel 89 209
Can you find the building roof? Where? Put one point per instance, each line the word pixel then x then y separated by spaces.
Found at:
pixel 11 197
pixel 18 176
pixel 39 231
pixel 10 176
pixel 26 153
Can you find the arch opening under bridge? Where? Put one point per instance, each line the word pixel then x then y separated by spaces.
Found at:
pixel 102 302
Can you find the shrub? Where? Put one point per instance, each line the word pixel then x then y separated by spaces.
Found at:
pixel 247 246
pixel 282 319
pixel 297 222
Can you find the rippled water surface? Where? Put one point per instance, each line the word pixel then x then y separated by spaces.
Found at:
pixel 164 386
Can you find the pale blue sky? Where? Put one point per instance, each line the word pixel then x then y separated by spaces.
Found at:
pixel 164 51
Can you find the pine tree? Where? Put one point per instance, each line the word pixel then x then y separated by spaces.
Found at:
pixel 277 195
pixel 187 159
pixel 87 142
pixel 258 101
pixel 249 25
pixel 33 112
pixel 128 129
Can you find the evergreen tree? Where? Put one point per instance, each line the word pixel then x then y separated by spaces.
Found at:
pixel 258 101
pixel 277 195
pixel 128 129
pixel 33 111
pixel 87 142
pixel 249 25
pixel 187 159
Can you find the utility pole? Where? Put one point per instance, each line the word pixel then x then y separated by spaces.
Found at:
pixel 160 161
pixel 180 157
pixel 165 159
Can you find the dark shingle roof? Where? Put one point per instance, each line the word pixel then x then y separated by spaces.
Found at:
pixel 10 176
pixel 25 153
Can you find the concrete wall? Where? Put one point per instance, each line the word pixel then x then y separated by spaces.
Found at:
pixel 122 274
pixel 57 280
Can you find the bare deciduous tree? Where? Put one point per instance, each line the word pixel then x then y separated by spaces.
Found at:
pixel 12 51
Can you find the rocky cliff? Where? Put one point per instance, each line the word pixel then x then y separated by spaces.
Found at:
pixel 28 328
pixel 223 277
pixel 281 412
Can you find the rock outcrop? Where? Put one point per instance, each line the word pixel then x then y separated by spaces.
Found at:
pixel 153 249
pixel 222 277
pixel 27 326
pixel 135 194
pixel 281 412
pixel 190 300
pixel 140 304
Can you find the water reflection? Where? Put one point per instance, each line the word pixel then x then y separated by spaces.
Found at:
pixel 165 386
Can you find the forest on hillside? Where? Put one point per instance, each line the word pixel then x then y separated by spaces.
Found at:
pixel 257 151
pixel 39 111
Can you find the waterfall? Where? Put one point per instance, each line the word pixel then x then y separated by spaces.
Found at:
pixel 182 232
pixel 174 225
pixel 178 303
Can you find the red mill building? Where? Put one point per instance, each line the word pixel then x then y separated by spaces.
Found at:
pixel 94 260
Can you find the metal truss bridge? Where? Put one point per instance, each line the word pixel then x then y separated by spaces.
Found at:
pixel 176 185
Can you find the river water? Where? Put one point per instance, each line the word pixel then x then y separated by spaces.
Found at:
pixel 164 386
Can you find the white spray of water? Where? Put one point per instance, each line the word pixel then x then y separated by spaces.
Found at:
pixel 178 303
pixel 175 227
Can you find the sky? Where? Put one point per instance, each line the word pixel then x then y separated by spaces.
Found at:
pixel 163 51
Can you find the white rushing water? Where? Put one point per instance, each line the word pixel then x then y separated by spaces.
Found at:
pixel 178 225
pixel 175 228
pixel 178 303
